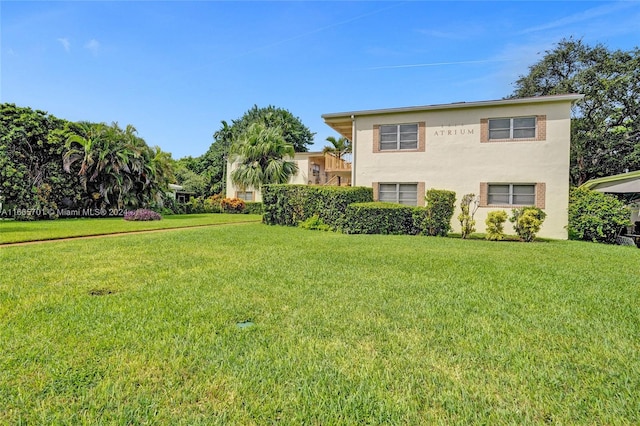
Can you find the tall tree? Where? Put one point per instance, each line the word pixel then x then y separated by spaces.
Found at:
pixel 339 147
pixel 293 131
pixel 115 166
pixel 31 160
pixel 212 166
pixel 262 156
pixel 605 130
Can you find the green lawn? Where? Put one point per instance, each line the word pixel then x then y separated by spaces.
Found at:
pixel 349 329
pixel 13 231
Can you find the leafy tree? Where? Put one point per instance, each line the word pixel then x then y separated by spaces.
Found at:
pixel 338 147
pixel 212 166
pixel 262 156
pixel 189 179
pixel 605 130
pixel 31 158
pixel 116 168
pixel 293 131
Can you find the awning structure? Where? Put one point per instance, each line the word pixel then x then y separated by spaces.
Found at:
pixel 625 183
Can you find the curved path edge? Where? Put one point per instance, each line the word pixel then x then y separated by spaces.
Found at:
pixel 116 234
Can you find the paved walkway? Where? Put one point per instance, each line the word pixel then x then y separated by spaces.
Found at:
pixel 117 234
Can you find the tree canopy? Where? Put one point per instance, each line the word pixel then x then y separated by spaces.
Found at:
pixel 339 147
pixel 47 162
pixel 605 130
pixel 211 166
pixel 262 156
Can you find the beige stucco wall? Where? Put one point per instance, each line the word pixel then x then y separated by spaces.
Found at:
pixel 455 159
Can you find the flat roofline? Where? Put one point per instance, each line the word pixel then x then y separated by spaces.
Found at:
pixel 458 105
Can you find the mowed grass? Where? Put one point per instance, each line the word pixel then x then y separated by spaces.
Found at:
pixel 349 329
pixel 15 231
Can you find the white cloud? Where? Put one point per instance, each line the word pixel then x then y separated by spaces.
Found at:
pixel 586 15
pixel 93 46
pixel 65 43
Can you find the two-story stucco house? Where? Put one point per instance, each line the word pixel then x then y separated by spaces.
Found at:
pixel 510 153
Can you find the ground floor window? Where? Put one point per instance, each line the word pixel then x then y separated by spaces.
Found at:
pixel 403 193
pixel 245 195
pixel 512 194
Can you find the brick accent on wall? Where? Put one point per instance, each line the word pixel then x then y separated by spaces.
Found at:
pixel 421 194
pixel 541 189
pixel 484 194
pixel 376 142
pixel 541 131
pixel 422 131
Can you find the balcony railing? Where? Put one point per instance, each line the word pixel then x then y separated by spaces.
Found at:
pixel 335 164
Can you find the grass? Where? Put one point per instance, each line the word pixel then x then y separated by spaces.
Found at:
pixel 15 231
pixel 349 329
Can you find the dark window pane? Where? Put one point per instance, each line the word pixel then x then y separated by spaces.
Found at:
pixel 499 123
pixel 409 145
pixel 524 122
pixel 524 189
pixel 524 133
pixel 408 128
pixel 499 134
pixel 524 200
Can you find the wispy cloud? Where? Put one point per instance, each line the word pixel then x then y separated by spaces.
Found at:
pixel 93 46
pixel 436 64
pixel 65 43
pixel 586 15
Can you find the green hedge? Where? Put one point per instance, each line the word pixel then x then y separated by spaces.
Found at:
pixel 253 207
pixel 381 218
pixel 290 204
pixel 438 214
pixel 597 217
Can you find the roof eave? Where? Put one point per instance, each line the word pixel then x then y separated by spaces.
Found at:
pixel 456 105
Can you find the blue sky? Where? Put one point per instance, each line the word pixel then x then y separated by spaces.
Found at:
pixel 175 69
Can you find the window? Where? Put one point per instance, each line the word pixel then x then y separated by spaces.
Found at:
pixel 512 128
pixel 512 194
pixel 403 193
pixel 245 195
pixel 398 136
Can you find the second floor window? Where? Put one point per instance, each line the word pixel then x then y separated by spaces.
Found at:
pixel 512 128
pixel 398 137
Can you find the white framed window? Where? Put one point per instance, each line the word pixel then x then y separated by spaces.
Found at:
pixel 402 193
pixel 512 128
pixel 398 137
pixel 245 195
pixel 512 194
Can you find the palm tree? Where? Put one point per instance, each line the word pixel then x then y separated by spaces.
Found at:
pixel 261 155
pixel 339 146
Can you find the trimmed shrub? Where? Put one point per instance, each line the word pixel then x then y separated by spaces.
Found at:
pixel 253 207
pixel 290 204
pixel 314 223
pixel 527 222
pixel 594 216
pixel 232 205
pixel 440 207
pixel 467 223
pixel 141 215
pixel 495 225
pixel 379 218
pixel 213 204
